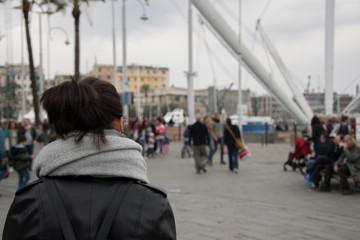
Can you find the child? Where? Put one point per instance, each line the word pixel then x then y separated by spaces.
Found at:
pixel 21 161
pixel 151 140
pixel 186 147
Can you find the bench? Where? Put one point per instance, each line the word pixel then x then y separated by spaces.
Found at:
pixel 355 178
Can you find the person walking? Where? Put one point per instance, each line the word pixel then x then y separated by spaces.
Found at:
pixel 93 180
pixel 21 161
pixel 210 140
pixel 218 129
pixel 3 159
pixel 12 136
pixel 232 133
pixel 29 132
pixel 199 134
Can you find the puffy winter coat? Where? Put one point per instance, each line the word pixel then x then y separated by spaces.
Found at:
pixel 140 211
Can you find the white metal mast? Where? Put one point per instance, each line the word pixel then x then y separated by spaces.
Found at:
pixel 190 74
pixel 329 56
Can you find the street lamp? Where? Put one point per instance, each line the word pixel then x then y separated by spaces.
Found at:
pixel 41 54
pixel 67 42
pixel 124 75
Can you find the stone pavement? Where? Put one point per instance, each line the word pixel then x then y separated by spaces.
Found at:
pixel 261 202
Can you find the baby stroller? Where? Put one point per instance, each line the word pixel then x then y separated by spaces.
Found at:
pixel 299 157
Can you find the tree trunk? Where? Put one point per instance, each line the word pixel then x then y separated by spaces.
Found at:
pixel 26 9
pixel 76 14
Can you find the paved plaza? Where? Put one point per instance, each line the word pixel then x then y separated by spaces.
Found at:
pixel 261 202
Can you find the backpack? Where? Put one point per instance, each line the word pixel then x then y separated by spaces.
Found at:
pixel 343 130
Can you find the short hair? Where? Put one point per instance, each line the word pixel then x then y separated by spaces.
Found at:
pixel 228 121
pixel 344 118
pixel 88 106
pixel 351 138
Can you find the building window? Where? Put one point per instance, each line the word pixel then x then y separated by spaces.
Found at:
pixel 163 71
pixel 164 86
pixel 155 79
pixel 142 79
pixel 177 98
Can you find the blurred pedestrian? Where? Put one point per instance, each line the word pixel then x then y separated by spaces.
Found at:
pixel 28 130
pixel 160 132
pixel 232 133
pixel 210 140
pixel 317 131
pixel 218 129
pixel 21 161
pixel 3 159
pixel 199 135
pixel 12 136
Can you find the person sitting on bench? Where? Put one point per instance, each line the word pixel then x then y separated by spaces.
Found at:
pixel 347 164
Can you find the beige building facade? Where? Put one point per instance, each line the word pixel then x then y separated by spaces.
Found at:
pixel 137 76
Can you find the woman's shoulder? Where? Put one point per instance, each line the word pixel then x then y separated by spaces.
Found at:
pixel 32 187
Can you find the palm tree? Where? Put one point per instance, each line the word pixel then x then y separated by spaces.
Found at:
pixel 26 8
pixel 76 13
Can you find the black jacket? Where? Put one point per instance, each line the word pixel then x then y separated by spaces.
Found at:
pixel 199 133
pixel 21 132
pixel 228 138
pixel 144 213
pixel 317 130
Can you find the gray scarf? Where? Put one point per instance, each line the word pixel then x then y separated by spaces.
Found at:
pixel 119 157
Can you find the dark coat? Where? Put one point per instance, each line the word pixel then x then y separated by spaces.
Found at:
pixel 228 138
pixel 21 132
pixel 145 212
pixel 199 133
pixel 19 158
pixel 317 130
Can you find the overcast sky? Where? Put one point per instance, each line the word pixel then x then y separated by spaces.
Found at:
pixel 296 28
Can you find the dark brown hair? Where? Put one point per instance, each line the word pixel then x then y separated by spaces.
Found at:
pixel 228 122
pixel 315 120
pixel 89 106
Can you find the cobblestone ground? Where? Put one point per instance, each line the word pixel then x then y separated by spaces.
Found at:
pixel 261 202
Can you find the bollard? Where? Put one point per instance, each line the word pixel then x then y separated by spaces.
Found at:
pixel 295 130
pixel 266 134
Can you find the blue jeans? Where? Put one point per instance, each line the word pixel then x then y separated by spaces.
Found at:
pixel 30 149
pixel 233 158
pixel 24 177
pixel 221 142
pixel 211 153
pixel 312 174
pixel 159 143
pixel 142 143
pixel 187 148
pixel 3 170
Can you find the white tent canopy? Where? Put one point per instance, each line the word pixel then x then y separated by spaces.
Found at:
pixel 31 115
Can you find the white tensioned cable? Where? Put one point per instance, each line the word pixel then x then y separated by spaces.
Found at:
pixel 221 64
pixel 208 51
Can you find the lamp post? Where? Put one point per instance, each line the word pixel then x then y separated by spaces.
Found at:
pixel 125 84
pixel 41 75
pixel 67 42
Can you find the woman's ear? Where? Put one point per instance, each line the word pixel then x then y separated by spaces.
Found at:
pixel 119 124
